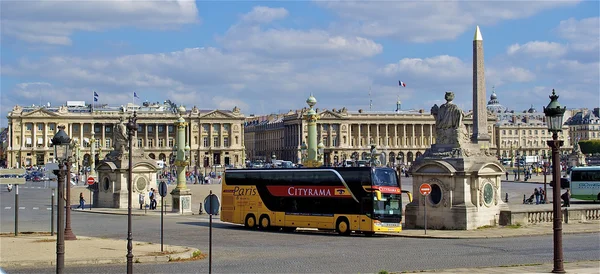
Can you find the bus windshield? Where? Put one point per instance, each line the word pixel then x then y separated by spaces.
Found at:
pixel 385 177
pixel 388 207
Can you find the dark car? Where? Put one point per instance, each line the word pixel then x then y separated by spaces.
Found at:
pixel 564 183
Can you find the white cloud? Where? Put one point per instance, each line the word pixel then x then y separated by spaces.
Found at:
pixel 583 37
pixel 293 43
pixel 537 49
pixel 262 14
pixel 429 20
pixel 419 72
pixel 53 22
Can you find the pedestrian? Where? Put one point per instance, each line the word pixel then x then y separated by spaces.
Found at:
pixel 566 197
pixel 536 192
pixel 515 173
pixel 151 197
pixel 506 175
pixel 542 196
pixel 81 201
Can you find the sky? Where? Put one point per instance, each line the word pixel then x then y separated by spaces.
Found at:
pixel 269 56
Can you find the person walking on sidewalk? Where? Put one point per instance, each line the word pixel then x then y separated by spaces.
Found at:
pixel 536 192
pixel 566 198
pixel 507 175
pixel 81 201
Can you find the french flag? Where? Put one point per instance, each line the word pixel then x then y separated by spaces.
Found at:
pixel 402 84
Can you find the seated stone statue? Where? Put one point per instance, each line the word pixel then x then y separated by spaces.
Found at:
pixel 449 125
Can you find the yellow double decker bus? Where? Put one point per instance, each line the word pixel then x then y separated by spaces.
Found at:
pixel 361 199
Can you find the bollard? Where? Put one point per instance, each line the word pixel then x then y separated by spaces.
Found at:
pixel 200 210
pixel 566 215
pixel 524 198
pixel 506 198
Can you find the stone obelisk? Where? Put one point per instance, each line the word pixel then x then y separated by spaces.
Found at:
pixel 480 130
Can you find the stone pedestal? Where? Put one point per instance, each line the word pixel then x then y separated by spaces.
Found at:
pixel 113 179
pixel 182 201
pixel 466 189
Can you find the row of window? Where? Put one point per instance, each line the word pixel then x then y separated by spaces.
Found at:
pixel 516 131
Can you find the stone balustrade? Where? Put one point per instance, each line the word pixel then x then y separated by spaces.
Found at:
pixel 541 215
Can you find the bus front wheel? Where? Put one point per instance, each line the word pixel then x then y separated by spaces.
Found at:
pixel 250 221
pixel 343 227
pixel 265 222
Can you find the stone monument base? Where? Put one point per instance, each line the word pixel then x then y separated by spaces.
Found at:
pixel 466 189
pixel 182 201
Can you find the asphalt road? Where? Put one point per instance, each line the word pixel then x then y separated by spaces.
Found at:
pixel 236 250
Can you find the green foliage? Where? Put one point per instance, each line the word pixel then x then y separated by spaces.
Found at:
pixel 590 146
pixel 382 272
pixel 517 225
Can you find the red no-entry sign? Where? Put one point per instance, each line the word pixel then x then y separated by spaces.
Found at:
pixel 425 189
pixel 91 180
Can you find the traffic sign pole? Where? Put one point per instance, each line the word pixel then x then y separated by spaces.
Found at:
pixel 162 191
pixel 425 190
pixel 90 181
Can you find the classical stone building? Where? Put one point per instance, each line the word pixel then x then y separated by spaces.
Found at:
pixel 523 132
pixel 216 137
pixel 584 125
pixel 3 146
pixel 347 134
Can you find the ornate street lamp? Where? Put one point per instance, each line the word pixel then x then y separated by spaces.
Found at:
pixel 132 127
pixel 61 143
pixel 554 120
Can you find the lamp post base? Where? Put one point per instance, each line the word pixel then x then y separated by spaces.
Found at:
pixel 181 201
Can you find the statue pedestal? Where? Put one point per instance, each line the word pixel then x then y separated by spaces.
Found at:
pixel 182 201
pixel 466 190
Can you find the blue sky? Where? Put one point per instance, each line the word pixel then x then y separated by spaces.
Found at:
pixel 267 57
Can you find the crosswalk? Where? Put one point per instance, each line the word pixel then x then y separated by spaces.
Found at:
pixel 25 208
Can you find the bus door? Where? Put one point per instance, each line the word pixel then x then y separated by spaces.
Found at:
pixel 366 223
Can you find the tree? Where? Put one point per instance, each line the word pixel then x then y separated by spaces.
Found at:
pixel 590 146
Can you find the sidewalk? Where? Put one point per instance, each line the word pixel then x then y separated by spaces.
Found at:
pixel 39 249
pixel 582 267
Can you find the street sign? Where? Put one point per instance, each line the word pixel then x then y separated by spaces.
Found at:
pixel 215 204
pixel 91 181
pixel 162 189
pixel 425 189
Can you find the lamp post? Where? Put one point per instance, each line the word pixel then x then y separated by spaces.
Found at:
pixel 554 120
pixel 60 141
pixel 545 182
pixel 518 158
pixel 311 120
pixel 131 129
pixel 69 235
pixel 181 195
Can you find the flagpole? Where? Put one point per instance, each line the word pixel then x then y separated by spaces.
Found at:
pixel 370 100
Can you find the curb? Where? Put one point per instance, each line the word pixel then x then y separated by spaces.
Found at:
pixel 137 259
pixel 135 213
pixel 485 236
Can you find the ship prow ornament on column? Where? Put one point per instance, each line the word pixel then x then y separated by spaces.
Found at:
pixel 181 195
pixel 112 172
pixel 464 175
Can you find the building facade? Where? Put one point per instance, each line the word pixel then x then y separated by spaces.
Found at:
pixel 584 125
pixel 400 136
pixel 214 136
pixel 524 133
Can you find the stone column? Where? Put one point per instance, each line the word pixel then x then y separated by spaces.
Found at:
pixel 145 135
pixel 45 140
pixel 156 135
pixel 480 131
pixel 422 137
pixel 181 195
pixel 103 141
pixel 413 137
pixel 81 133
pixel 34 141
pixel 311 118
pixel 405 136
pixel 359 137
